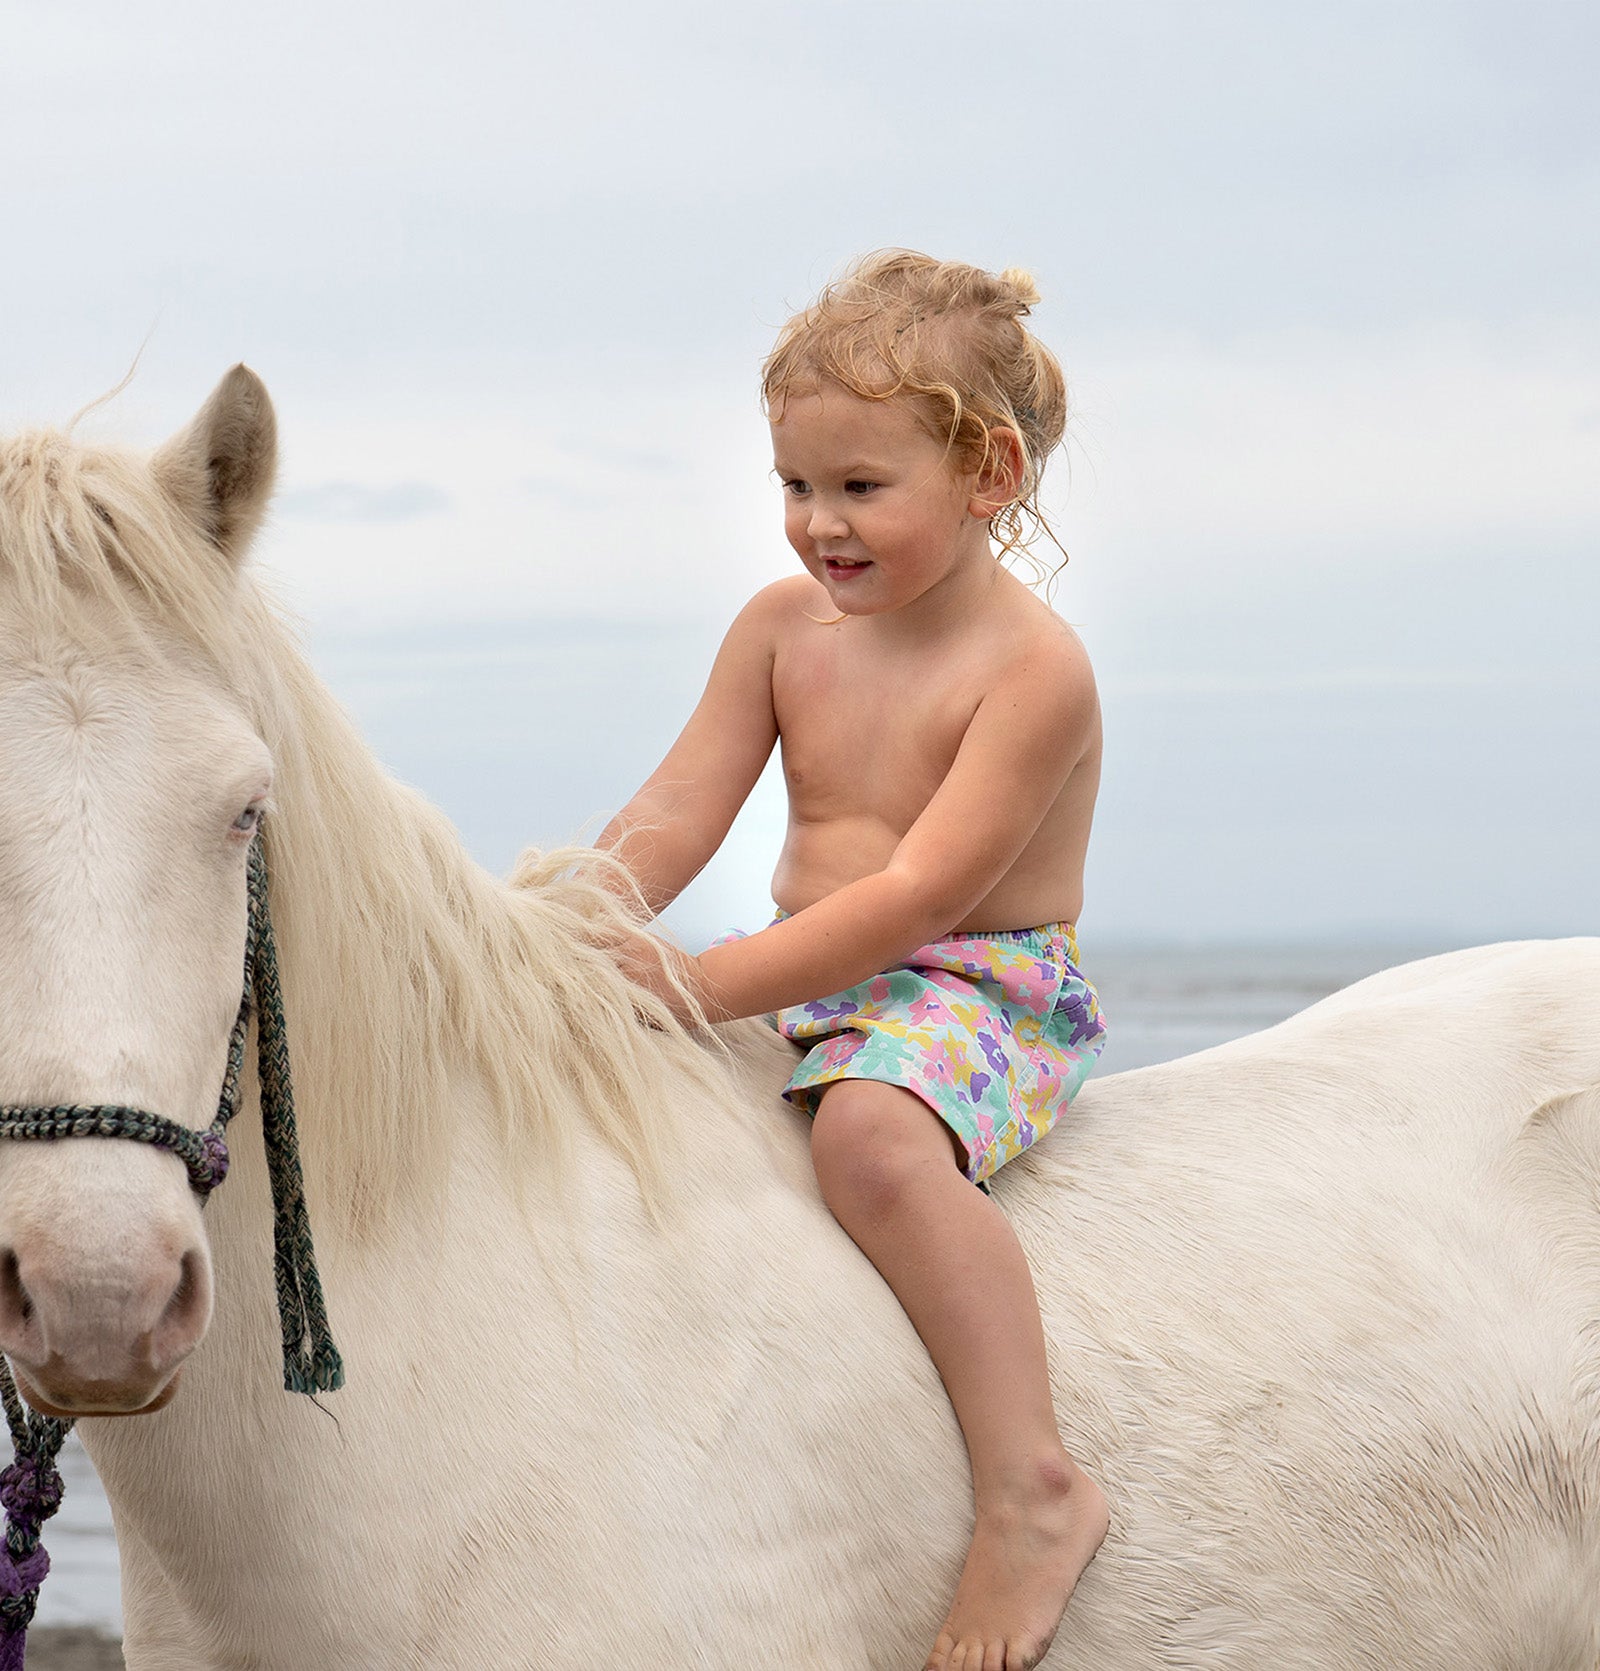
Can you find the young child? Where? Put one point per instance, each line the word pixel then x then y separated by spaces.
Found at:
pixel 941 747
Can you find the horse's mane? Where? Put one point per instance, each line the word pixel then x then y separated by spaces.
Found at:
pixel 413 979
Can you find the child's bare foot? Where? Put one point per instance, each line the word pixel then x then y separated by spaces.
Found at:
pixel 1027 1554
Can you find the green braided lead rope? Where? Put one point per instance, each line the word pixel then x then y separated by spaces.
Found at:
pixel 30 1489
pixel 311 1361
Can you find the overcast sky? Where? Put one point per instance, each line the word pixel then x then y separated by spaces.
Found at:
pixel 1324 282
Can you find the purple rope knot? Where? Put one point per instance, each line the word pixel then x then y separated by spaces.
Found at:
pixel 31 1489
pixel 214 1167
pixel 22 1578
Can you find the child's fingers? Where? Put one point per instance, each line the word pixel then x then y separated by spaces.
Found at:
pixel 656 967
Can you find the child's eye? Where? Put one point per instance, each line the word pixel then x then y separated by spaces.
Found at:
pixel 797 488
pixel 858 488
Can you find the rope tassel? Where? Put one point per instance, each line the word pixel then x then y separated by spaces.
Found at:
pixel 30 1489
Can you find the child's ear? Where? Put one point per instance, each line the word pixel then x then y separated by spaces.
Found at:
pixel 1001 475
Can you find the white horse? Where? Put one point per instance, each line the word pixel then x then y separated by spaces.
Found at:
pixel 1322 1303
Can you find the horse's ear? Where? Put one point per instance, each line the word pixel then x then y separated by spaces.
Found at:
pixel 219 471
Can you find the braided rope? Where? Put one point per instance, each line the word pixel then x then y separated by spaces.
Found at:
pixel 311 1361
pixel 30 1489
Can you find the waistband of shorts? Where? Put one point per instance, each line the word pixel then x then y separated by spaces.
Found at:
pixel 1063 930
pixel 1067 929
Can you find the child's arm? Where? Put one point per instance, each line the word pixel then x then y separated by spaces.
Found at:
pixel 1025 738
pixel 670 829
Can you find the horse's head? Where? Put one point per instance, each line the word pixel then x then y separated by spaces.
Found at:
pixel 131 780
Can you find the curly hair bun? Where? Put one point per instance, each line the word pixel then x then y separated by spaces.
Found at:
pixel 1021 280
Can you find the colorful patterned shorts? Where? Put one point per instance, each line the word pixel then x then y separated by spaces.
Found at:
pixel 995 1032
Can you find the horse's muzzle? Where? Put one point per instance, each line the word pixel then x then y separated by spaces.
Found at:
pixel 70 1399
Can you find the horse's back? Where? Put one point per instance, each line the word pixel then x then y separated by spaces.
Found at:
pixel 1451 1058
pixel 1322 1310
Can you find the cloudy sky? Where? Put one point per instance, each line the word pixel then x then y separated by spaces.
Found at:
pixel 1324 281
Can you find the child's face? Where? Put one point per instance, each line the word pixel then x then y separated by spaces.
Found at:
pixel 872 503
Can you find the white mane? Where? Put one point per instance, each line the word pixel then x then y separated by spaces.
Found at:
pixel 503 982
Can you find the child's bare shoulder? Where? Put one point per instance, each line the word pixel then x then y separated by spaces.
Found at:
pixel 783 604
pixel 1041 650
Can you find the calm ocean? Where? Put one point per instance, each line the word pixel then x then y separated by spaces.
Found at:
pixel 1160 1002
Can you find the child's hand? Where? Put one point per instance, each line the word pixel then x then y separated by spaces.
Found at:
pixel 665 971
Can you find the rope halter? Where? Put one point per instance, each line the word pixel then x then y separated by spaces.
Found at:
pixel 30 1489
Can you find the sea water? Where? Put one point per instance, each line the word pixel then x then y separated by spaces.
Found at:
pixel 1160 1002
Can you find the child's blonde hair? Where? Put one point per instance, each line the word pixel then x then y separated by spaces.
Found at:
pixel 950 339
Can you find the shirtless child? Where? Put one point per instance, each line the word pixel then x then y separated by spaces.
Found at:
pixel 941 747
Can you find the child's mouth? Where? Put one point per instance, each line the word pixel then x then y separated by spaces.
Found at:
pixel 841 568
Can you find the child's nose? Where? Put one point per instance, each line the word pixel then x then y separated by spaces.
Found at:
pixel 826 523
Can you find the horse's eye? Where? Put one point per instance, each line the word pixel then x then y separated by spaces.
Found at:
pixel 248 821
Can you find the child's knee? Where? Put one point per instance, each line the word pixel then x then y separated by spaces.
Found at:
pixel 872 1143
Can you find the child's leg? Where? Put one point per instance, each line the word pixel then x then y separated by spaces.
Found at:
pixel 886 1166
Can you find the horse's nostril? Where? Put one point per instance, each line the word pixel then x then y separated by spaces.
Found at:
pixel 14 1296
pixel 188 1308
pixel 15 1304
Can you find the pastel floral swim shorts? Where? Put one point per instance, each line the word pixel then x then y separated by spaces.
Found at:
pixel 995 1032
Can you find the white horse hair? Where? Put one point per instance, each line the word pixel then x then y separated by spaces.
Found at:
pixel 1322 1303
